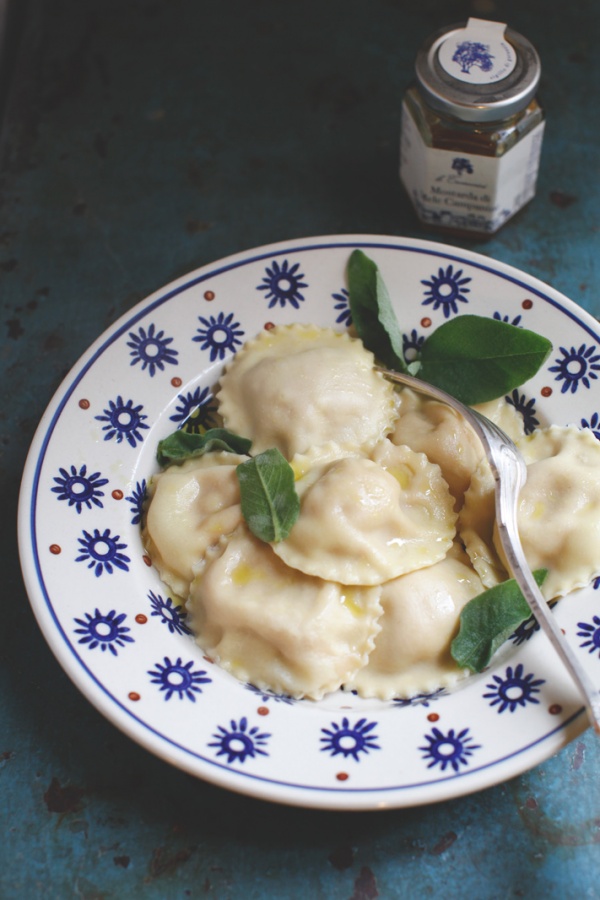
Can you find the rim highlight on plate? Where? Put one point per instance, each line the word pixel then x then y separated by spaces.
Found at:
pixel 119 636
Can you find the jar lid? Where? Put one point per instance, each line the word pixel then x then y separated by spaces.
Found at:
pixel 480 71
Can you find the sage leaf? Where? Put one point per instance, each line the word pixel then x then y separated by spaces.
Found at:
pixel 488 620
pixel 270 504
pixel 182 445
pixel 372 311
pixel 475 358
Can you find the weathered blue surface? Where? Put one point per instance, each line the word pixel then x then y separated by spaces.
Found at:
pixel 141 140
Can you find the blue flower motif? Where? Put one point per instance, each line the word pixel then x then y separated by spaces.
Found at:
pixel 196 411
pixel 104 631
pixel 265 696
pixel 446 290
pixel 137 498
pixel 282 284
pixel 219 335
pixel 103 552
pixel 151 350
pixel 78 488
pixel 420 699
pixel 411 345
pixel 349 740
pixel 514 690
pixel 239 742
pixel 576 367
pixel 500 318
pixel 591 632
pixel 593 424
pixel 170 615
pixel 527 410
pixel 342 307
pixel 123 421
pixel 524 631
pixel 178 678
pixel 448 749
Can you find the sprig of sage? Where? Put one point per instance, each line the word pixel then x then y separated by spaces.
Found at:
pixel 270 504
pixel 182 445
pixel 474 358
pixel 488 620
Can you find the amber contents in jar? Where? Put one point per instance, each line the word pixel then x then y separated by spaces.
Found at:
pixel 483 138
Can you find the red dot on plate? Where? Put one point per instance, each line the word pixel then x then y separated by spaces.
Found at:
pixel 342 776
pixel 262 711
pixel 527 304
pixel 84 404
pixel 133 695
pixel 426 322
pixel 546 392
pixel 433 717
pixel 117 494
pixel 55 549
pixel 141 619
pixel 555 709
pixel 209 295
pixel 269 326
pixel 176 382
pixel 147 560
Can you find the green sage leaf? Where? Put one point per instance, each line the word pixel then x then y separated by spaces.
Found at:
pixel 182 445
pixel 477 359
pixel 488 620
pixel 270 504
pixel 372 312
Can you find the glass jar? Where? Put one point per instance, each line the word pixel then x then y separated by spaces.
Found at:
pixel 472 128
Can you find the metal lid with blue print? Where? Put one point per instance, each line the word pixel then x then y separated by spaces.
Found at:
pixel 478 71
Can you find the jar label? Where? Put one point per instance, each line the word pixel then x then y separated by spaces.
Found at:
pixel 466 191
pixel 478 53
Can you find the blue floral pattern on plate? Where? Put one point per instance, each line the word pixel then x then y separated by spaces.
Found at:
pixel 118 631
pixel 179 679
pixel 105 631
pixel 103 552
pixel 349 740
pixel 124 421
pixel 151 349
pixel 78 488
pixel 238 741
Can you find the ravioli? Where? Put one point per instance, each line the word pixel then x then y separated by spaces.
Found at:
pixel 366 591
pixel 364 521
pixel 430 427
pixel 276 628
pixel 191 506
pixel 559 507
pixel 420 618
pixel 296 387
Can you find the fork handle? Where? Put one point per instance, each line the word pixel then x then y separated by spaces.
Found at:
pixel 519 569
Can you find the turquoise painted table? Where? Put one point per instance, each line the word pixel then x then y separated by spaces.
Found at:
pixel 142 139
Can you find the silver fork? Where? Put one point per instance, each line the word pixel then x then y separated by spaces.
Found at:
pixel 510 474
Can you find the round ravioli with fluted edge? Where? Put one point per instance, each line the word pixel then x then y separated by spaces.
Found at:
pixel 277 628
pixel 364 521
pixel 190 507
pixel 559 507
pixel 295 387
pixel 420 618
pixel 434 428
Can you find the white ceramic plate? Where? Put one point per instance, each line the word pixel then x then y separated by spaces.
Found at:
pixel 108 617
